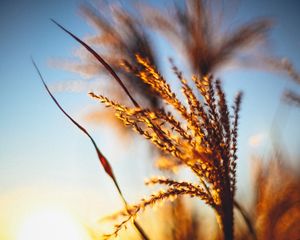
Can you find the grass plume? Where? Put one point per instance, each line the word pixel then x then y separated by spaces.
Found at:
pixel 207 155
pixel 206 143
pixel 195 29
pixel 196 129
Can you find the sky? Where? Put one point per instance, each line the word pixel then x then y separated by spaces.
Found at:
pixel 45 159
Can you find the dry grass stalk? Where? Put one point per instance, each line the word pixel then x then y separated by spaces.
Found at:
pixel 104 162
pixel 206 143
pixel 292 97
pixel 277 200
pixel 185 223
pixel 285 66
pixel 195 29
pixel 204 139
pixel 119 36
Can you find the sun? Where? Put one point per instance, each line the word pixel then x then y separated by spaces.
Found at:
pixel 50 224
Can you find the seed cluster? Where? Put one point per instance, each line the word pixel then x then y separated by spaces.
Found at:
pixel 201 136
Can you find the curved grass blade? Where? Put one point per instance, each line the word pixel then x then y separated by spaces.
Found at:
pixel 104 162
pixel 101 60
pixel 116 77
pixel 101 157
pixel 246 219
pixel 110 70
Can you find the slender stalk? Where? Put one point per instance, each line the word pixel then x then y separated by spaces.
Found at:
pixel 227 222
pixel 111 72
pixel 227 212
pixel 246 219
pixel 104 162
pixel 226 218
pixel 101 60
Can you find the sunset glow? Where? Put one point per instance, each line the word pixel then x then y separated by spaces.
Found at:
pixel 51 224
pixel 150 120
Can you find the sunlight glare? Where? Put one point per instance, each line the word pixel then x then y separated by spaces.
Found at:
pixel 51 224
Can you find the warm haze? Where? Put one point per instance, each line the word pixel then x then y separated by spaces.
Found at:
pixel 51 183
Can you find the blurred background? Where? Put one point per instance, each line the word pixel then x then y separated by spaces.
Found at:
pixel 46 163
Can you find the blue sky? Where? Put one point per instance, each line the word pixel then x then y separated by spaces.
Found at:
pixel 39 146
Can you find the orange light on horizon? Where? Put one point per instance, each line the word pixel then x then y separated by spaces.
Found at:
pixel 51 223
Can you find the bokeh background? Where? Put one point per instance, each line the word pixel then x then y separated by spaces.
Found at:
pixel 46 161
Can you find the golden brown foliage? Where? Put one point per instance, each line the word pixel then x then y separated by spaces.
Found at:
pixel 184 222
pixel 203 139
pixel 200 133
pixel 277 200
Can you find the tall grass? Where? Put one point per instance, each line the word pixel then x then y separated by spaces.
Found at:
pixel 204 140
pixel 102 159
pixel 277 198
pixel 197 130
pixel 207 144
pixel 197 30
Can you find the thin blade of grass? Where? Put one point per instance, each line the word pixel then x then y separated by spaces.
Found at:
pixel 246 218
pixel 101 60
pixel 101 157
pixel 110 70
pixel 104 162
